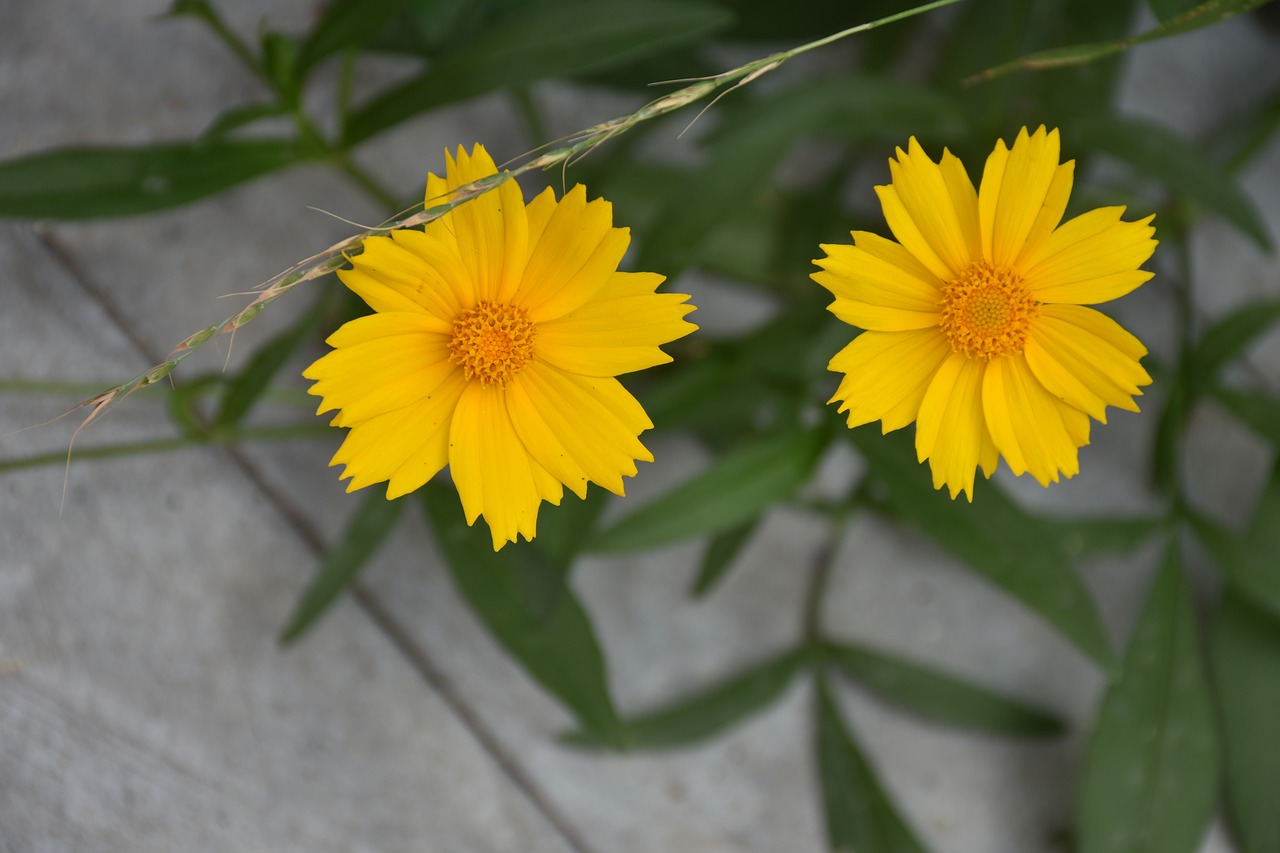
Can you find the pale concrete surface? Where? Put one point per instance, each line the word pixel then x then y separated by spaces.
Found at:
pixel 152 710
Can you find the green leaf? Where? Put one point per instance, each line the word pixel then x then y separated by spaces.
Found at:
pixel 1251 560
pixel 1168 10
pixel 280 63
pixel 707 712
pixel 1246 664
pixel 249 384
pixel 366 530
pixel 1084 537
pixel 1150 779
pixel 750 146
pixel 346 24
pixel 524 601
pixel 1009 547
pixel 87 183
pixel 1161 154
pixel 238 117
pixel 860 816
pixel 722 552
pixel 563 531
pixel 1227 338
pixel 939 696
pixel 540 42
pixel 1259 411
pixel 735 488
pixel 1201 15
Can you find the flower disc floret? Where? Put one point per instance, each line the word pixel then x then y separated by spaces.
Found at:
pixel 492 342
pixel 987 312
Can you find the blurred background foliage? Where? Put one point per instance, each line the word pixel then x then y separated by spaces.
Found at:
pixel 1190 720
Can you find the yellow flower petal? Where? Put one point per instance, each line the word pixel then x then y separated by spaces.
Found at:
pixel 380 375
pixel 1015 186
pixel 1093 258
pixel 620 331
pixel 950 432
pixel 886 375
pixel 878 285
pixel 1081 367
pixel 1099 324
pixel 941 204
pixel 551 412
pixel 1050 216
pixel 1025 422
pixel 494 473
pixel 407 447
pixel 576 252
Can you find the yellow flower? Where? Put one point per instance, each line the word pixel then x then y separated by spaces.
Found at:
pixel 495 339
pixel 975 317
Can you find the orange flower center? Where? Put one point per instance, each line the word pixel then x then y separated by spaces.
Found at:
pixel 492 342
pixel 986 312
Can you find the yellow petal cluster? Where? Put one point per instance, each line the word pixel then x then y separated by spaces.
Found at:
pixel 492 348
pixel 976 329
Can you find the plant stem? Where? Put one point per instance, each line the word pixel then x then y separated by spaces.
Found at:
pixel 162 445
pixel 820 575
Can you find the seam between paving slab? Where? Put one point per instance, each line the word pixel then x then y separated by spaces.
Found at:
pixel 400 639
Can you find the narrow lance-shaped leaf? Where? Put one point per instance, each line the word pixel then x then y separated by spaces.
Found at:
pixel 707 712
pixel 1159 153
pixel 366 530
pixel 722 552
pixel 1252 561
pixel 1259 411
pixel 1150 779
pixel 859 814
pixel 86 183
pixel 1083 537
pixel 252 380
pixel 564 530
pixel 552 40
pixel 1246 674
pixel 1201 15
pixel 750 147
pixel 1012 549
pixel 345 24
pixel 735 488
pixel 1227 338
pixel 938 696
pixel 523 600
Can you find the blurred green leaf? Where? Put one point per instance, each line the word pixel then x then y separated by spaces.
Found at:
pixel 722 552
pixel 1166 451
pixel 280 63
pixel 1246 664
pixel 244 389
pixel 1161 154
pixel 365 531
pixel 541 42
pixel 860 815
pixel 1261 412
pixel 1252 561
pixel 1084 537
pixel 1009 547
pixel 88 183
pixel 751 144
pixel 707 712
pixel 346 24
pixel 736 487
pixel 183 404
pixel 1228 338
pixel 1201 15
pixel 1167 10
pixel 1150 779
pixel 939 696
pixel 563 531
pixel 238 117
pixel 523 599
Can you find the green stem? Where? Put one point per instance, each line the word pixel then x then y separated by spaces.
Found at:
pixel 819 577
pixel 168 444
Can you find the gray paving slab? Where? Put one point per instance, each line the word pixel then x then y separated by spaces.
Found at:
pixel 171 697
pixel 145 704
